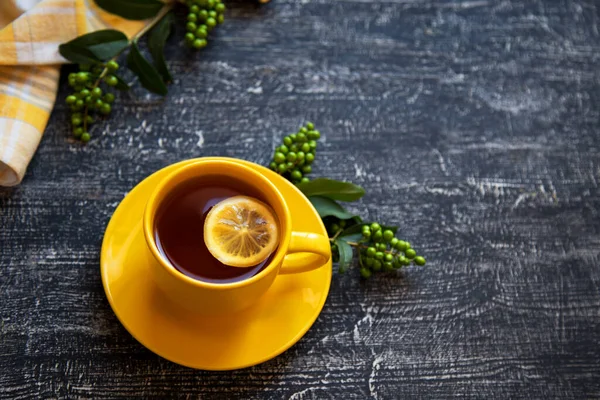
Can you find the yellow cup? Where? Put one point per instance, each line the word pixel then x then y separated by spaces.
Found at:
pixel 297 251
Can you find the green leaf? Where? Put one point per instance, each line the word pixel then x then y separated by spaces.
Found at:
pixel 156 43
pixel 148 75
pixel 131 9
pixel 353 233
pixel 353 229
pixel 327 207
pixel 345 253
pixel 332 189
pixel 94 47
pixel 121 84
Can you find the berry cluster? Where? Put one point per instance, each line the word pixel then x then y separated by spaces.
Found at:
pixel 89 97
pixel 203 16
pixel 379 249
pixel 294 157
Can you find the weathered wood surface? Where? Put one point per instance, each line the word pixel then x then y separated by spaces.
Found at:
pixel 472 124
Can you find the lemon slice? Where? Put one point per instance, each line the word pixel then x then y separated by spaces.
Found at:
pixel 241 231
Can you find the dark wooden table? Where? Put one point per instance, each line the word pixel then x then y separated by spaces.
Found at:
pixel 474 125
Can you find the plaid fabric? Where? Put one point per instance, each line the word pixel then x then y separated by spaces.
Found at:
pixel 30 32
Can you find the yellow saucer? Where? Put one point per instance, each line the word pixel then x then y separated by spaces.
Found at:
pixel 275 323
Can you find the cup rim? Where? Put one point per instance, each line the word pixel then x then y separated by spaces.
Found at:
pixel 156 197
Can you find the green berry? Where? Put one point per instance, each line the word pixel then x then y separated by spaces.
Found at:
pixel 366 234
pixel 297 175
pixel 401 260
pixel 220 19
pixel 371 252
pixel 420 260
pixel 335 228
pixel 410 253
pixel 89 119
pixel 202 3
pixel 377 265
pixel 212 14
pixel 381 246
pixel 300 155
pixel 273 165
pixel 84 93
pixel 77 132
pixel 289 164
pixel 191 26
pixel 220 8
pixel 96 93
pixel 310 126
pixel 111 80
pixel 304 180
pixel 307 169
pixel 192 17
pixel 82 77
pixel 79 104
pixel 105 109
pixel 375 227
pixel 291 156
pixel 98 104
pixel 301 137
pixel 293 137
pixel 203 15
pixel 194 9
pixel 388 266
pixel 305 147
pixel 282 168
pixel 310 157
pixel 71 99
pixel 303 130
pixel 294 148
pixel 88 100
pixel 405 261
pixel 365 273
pixel 393 242
pixel 377 235
pixel 76 121
pixel 388 235
pixel 287 141
pixel 402 245
pixel 199 43
pixel 316 135
pixel 312 144
pixel 85 137
pixel 189 38
pixel 201 33
pixel 379 255
pixel 112 66
pixel 388 258
pixel 211 22
pixel 109 98
pixel 211 4
pixel 279 158
pixel 283 149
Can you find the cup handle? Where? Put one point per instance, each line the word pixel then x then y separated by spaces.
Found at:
pixel 307 251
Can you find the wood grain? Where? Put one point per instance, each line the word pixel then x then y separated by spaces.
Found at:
pixel 474 125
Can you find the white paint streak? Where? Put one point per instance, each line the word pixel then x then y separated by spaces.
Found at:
pixel 200 142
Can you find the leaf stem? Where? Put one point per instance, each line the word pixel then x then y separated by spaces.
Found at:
pixel 151 24
pixel 336 235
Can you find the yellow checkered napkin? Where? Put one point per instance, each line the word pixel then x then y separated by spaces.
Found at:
pixel 30 33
